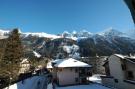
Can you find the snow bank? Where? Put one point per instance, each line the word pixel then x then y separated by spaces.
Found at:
pixel 95 78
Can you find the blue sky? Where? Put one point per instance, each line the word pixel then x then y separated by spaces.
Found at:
pixel 56 16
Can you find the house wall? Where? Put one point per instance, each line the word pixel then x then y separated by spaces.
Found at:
pixel 108 81
pixel 115 67
pixel 130 67
pixel 116 71
pixel 67 76
pixel 118 75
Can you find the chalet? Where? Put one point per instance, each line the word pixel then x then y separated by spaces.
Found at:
pixel 69 71
pixel 120 72
pixel 24 66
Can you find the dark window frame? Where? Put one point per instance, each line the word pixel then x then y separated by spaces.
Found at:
pixel 130 74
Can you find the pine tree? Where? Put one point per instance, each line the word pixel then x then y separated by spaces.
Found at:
pixel 12 55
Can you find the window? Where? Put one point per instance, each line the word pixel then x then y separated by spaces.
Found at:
pixel 123 67
pixel 133 4
pixel 130 75
pixel 76 79
pixel 116 80
pixel 70 69
pixel 76 70
pixel 89 73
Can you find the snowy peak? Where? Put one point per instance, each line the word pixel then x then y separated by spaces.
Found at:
pixel 112 32
pixel 38 34
pixel 76 34
pixel 109 33
pixel 71 35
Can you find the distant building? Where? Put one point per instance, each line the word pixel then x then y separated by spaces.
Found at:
pixel 120 72
pixel 24 66
pixel 69 71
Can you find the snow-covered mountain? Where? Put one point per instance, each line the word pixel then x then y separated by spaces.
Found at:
pixel 74 35
pixel 108 33
pixel 112 32
pixel 40 34
pixel 103 43
pixel 27 34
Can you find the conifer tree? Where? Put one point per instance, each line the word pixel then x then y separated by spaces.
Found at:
pixel 12 55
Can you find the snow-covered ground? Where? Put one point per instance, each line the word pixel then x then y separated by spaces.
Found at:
pixel 95 78
pixel 31 83
pixel 90 86
pixel 36 54
pixel 50 86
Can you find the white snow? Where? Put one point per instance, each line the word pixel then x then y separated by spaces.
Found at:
pixel 41 34
pixel 2 32
pixel 49 65
pixel 36 54
pixel 75 55
pixel 50 86
pixel 70 49
pixel 121 56
pixel 90 86
pixel 30 83
pixel 70 62
pixel 73 38
pixel 43 44
pixel 25 60
pixel 67 49
pixel 95 78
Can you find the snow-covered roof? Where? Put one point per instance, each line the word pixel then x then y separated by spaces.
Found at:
pixel 120 55
pixel 128 58
pixel 70 62
pixel 25 60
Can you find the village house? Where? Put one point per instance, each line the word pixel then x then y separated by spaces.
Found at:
pixel 24 66
pixel 69 71
pixel 120 72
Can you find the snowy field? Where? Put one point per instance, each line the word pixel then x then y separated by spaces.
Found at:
pixel 91 86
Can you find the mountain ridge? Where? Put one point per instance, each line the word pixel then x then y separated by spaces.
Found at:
pixel 73 35
pixel 89 44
